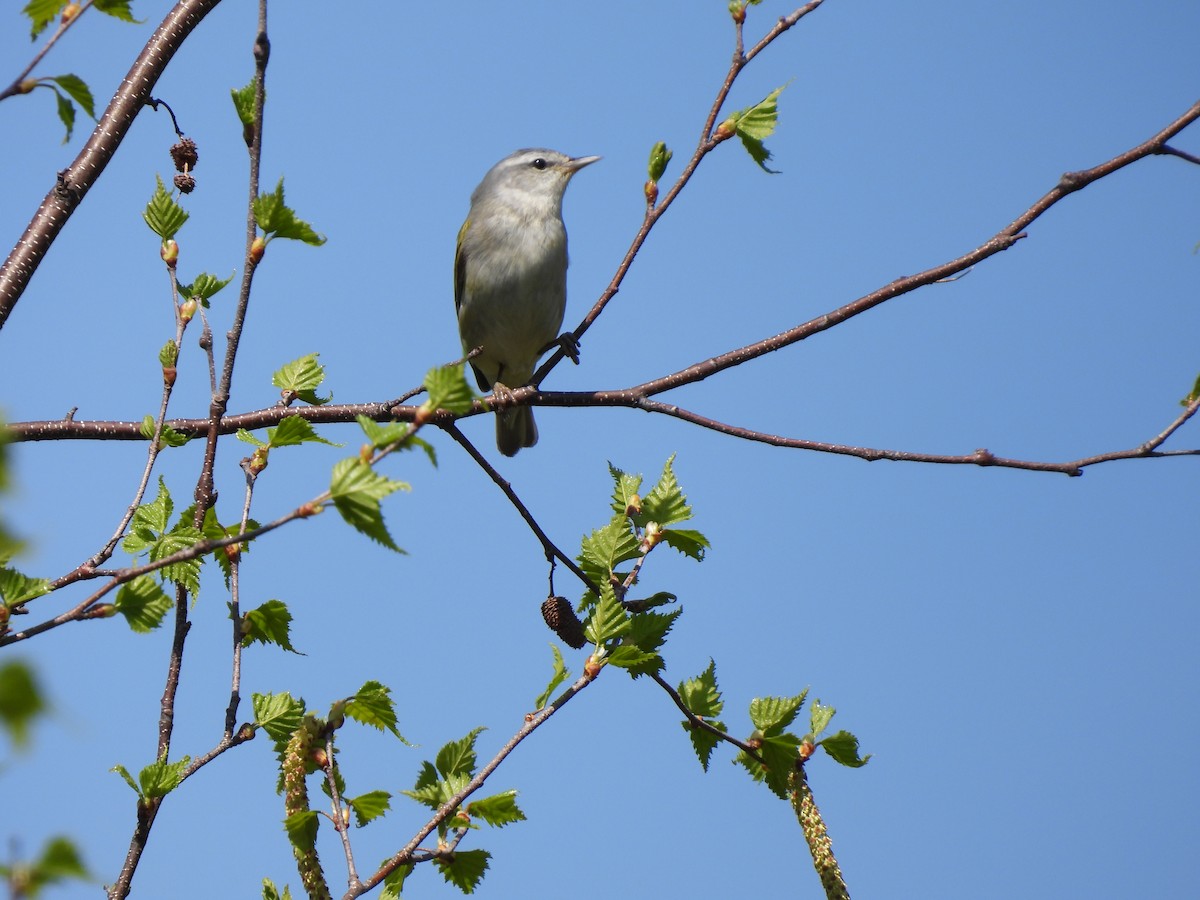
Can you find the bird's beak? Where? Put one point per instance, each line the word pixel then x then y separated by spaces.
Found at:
pixel 580 161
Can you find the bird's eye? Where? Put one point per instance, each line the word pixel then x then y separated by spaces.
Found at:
pixel 539 164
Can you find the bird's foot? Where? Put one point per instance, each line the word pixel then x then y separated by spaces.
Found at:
pixel 568 343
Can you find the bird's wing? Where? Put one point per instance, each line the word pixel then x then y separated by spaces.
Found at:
pixel 460 266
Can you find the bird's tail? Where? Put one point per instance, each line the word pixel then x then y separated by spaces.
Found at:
pixel 515 429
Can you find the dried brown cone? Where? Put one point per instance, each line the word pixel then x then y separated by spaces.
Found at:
pixel 185 155
pixel 185 183
pixel 562 620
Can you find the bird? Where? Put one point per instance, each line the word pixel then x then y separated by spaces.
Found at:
pixel 510 278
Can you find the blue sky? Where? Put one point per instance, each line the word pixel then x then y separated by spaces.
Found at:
pixel 1016 649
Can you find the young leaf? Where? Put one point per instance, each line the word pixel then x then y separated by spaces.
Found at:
pixel 687 541
pixel 279 715
pixel 164 216
pixel 464 868
pixel 181 537
pixel 373 706
pixel 277 219
pixel 558 677
pixel 394 883
pixel 843 747
pixel 203 288
pixel 819 717
pixel 703 740
pixel 17 588
pixel 79 91
pixel 448 389
pixel 498 810
pixel 41 13
pixel 59 860
pixel 771 715
pixel 648 632
pixel 143 604
pixel 701 695
pixel 458 757
pixel 625 491
pixel 269 624
pixel 665 504
pixel 779 754
pixel 755 124
pixel 247 437
pixel 302 377
pixel 21 700
pixel 606 548
pixel 118 9
pixel 301 828
pixel 293 431
pixel 169 437
pixel 149 521
pixel 270 892
pixel 369 806
pixel 161 777
pixel 66 114
pixel 243 103
pixel 634 660
pixel 608 620
pixel 357 490
pixel 124 773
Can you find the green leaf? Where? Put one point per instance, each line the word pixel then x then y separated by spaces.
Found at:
pixel 118 9
pixel 464 868
pixel 701 696
pixel 124 773
pixel 608 620
pixel 648 632
pixel 149 521
pixel 498 810
pixel 293 431
pixel 634 660
pixel 66 114
pixel 458 757
pixel 382 435
pixel 79 91
pixel 143 604
pixel 659 598
pixel 559 675
pixel 41 13
pixel 277 220
pixel 243 103
pixel 17 588
pixel 779 754
pixel 843 747
pixel 269 624
pixel 59 860
pixel 1195 392
pixel 169 437
pixel 373 706
pixel 665 504
pixel 357 489
pixel 161 777
pixel 757 123
pixel 370 806
pixel 659 157
pixel 279 715
pixel 687 541
pixel 625 490
pixel 270 892
pixel 819 717
pixel 21 700
pixel 164 216
pixel 204 288
pixel 771 715
pixel 448 389
pixel 302 377
pixel 394 882
pixel 606 548
pixel 182 536
pixel 301 828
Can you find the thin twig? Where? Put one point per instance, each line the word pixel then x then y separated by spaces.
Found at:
pixel 15 88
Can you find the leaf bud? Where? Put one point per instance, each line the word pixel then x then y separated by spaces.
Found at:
pixel 233 552
pixel 27 85
pixel 807 749
pixel 187 310
pixel 257 461
pixel 652 537
pixel 651 191
pixel 70 13
pixel 365 452
pixel 257 249
pixel 634 506
pixel 308 509
pixel 320 757
pixel 592 667
pixel 169 253
pixel 726 129
pixel 659 157
pixel 169 373
pixel 102 611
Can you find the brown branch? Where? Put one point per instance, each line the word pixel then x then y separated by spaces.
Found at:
pixel 77 179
